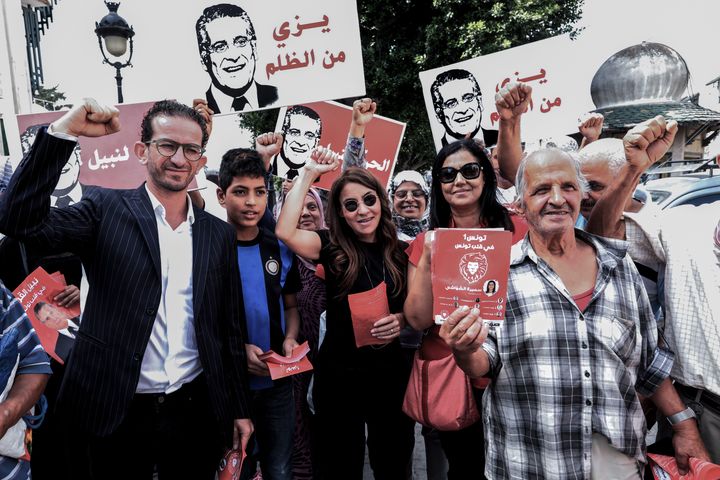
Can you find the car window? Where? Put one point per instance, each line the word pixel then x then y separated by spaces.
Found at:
pixel 658 195
pixel 702 199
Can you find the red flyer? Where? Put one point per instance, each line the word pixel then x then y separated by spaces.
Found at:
pixel 366 308
pixel 55 326
pixel 281 366
pixel 231 465
pixel 665 468
pixel 470 267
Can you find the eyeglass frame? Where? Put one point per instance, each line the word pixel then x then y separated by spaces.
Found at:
pixel 177 146
pixel 455 172
pixel 365 200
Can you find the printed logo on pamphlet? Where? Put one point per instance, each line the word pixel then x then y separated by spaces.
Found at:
pixel 473 267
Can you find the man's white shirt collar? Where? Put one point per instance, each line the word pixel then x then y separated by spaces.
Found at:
pixel 160 209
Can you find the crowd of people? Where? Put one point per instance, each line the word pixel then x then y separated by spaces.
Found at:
pixel 611 322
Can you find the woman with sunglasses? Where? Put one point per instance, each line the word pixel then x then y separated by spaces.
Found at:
pixel 463 195
pixel 365 266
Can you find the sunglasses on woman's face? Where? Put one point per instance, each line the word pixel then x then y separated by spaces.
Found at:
pixel 352 205
pixel 469 171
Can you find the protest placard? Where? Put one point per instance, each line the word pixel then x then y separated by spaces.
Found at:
pixel 460 98
pixel 239 55
pixel 107 161
pixel 326 124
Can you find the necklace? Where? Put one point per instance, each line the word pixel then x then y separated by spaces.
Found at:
pixel 370 278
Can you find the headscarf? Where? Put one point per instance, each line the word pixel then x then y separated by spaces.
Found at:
pixel 411 227
pixel 313 193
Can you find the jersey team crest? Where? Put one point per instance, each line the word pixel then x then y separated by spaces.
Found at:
pixel 272 266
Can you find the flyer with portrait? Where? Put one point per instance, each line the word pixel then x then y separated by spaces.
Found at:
pixel 470 267
pixel 56 326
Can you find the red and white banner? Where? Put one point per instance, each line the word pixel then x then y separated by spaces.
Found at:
pixel 326 124
pixel 107 161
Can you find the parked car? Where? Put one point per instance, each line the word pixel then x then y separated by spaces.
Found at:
pixel 683 190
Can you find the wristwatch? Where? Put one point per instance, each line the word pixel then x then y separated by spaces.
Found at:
pixel 681 416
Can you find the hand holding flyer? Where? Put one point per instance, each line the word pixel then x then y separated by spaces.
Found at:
pixel 470 268
pixel 366 308
pixel 55 325
pixel 281 366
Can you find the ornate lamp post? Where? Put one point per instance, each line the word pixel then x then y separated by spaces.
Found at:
pixel 116 32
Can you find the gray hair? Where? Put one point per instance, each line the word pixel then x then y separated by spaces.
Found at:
pixel 521 184
pixel 607 150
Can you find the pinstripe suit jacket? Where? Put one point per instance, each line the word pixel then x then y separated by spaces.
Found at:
pixel 115 234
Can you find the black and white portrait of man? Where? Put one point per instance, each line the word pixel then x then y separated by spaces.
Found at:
pixel 457 101
pixel 228 51
pixel 301 130
pixel 69 190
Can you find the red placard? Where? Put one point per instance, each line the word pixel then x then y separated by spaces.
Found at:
pixel 470 268
pixel 107 161
pixel 382 141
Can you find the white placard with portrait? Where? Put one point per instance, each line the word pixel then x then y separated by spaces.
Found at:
pixel 256 54
pixel 460 98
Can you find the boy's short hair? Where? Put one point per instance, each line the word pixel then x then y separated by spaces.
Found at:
pixel 240 162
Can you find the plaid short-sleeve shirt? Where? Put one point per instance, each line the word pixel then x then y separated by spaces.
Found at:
pixel 561 374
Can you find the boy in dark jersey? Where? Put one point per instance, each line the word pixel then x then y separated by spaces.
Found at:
pixel 269 280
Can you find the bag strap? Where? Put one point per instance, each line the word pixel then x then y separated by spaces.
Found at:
pixel 34 421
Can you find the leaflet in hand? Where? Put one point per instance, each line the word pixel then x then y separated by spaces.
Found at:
pixel 470 267
pixel 55 326
pixel 281 366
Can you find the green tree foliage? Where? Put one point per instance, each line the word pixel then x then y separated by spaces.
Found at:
pixel 401 38
pixel 49 98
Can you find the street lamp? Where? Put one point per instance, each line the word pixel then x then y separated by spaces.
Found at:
pixel 116 32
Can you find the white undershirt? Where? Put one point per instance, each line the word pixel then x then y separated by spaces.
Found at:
pixel 171 358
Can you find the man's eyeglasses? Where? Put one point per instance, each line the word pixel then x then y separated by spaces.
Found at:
pixel 401 194
pixel 222 46
pixel 352 205
pixel 167 148
pixel 469 171
pixel 466 98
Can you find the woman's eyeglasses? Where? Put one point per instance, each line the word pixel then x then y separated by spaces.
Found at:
pixel 401 194
pixel 352 205
pixel 469 171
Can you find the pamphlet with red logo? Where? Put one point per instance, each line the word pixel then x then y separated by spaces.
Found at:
pixel 665 468
pixel 470 267
pixel 231 465
pixel 366 308
pixel 55 326
pixel 281 366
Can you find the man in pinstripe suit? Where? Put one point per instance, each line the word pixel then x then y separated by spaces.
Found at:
pixel 157 378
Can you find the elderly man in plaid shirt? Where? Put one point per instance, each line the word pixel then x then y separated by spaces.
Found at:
pixel 578 348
